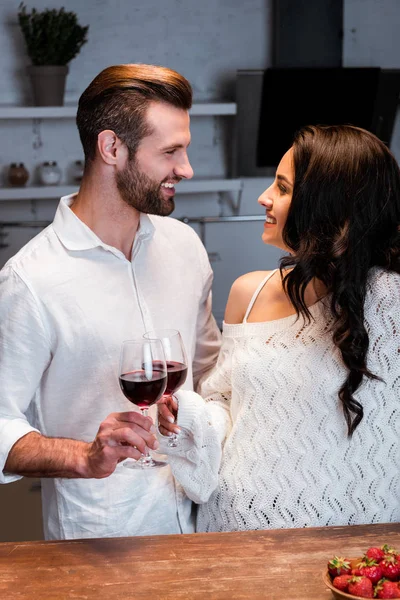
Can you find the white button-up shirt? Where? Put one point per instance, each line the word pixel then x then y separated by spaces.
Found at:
pixel 67 301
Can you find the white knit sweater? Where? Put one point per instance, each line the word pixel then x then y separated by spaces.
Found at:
pixel 268 447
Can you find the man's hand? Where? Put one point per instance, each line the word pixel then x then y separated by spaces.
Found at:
pixel 167 413
pixel 120 436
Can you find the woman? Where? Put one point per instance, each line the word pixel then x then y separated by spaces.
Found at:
pixel 299 423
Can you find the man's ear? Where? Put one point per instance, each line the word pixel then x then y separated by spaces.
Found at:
pixel 109 146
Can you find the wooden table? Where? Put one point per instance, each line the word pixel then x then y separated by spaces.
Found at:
pixel 273 564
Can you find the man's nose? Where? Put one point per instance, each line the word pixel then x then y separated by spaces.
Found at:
pixel 184 170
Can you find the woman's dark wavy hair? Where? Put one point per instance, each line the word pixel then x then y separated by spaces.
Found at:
pixel 344 219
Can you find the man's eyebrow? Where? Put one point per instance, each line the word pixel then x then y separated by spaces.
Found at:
pixel 283 178
pixel 174 146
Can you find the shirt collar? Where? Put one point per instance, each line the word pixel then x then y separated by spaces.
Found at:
pixel 74 234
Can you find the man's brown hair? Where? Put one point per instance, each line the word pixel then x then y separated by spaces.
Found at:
pixel 118 97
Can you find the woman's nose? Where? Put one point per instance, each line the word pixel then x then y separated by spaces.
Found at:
pixel 265 200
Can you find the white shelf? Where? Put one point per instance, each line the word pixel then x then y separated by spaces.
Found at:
pixel 69 112
pixel 195 186
pixel 214 108
pixel 37 192
pixel 48 191
pixel 37 112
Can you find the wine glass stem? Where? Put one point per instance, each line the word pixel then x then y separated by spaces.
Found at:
pixel 146 458
pixel 173 439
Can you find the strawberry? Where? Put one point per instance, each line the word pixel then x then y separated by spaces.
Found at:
pixel 390 567
pixel 339 566
pixel 375 553
pixel 341 582
pixel 387 589
pixel 388 549
pixel 369 568
pixel 361 586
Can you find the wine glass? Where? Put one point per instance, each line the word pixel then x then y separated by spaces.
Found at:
pixel 176 361
pixel 143 378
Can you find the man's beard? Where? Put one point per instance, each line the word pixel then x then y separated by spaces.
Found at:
pixel 141 192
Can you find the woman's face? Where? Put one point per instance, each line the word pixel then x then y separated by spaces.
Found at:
pixel 276 199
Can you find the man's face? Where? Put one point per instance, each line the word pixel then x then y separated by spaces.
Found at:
pixel 148 181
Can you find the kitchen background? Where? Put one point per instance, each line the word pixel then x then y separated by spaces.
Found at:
pixel 207 42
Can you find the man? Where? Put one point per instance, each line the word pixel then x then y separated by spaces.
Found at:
pixel 108 268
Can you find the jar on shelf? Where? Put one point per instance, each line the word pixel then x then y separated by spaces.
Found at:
pixel 77 171
pixel 18 174
pixel 49 173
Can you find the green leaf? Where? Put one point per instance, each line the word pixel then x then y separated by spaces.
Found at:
pixel 52 37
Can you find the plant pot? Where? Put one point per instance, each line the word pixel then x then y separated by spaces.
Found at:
pixel 48 84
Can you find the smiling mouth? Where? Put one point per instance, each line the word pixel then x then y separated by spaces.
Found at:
pixel 270 220
pixel 168 191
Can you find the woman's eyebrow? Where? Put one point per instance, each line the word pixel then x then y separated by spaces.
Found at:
pixel 283 178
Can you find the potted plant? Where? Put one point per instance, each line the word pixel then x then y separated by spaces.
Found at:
pixel 53 38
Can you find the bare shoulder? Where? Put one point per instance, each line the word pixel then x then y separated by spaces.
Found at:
pixel 240 295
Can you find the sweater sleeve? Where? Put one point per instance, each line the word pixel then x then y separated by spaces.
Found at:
pixel 205 422
pixel 381 320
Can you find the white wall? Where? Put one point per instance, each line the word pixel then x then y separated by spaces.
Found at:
pixel 371 39
pixel 206 42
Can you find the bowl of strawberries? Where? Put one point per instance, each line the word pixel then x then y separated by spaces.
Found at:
pixel 375 574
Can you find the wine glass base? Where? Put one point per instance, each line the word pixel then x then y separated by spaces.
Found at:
pixel 172 441
pixel 143 465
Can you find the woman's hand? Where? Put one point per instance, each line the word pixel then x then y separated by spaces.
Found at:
pixel 167 414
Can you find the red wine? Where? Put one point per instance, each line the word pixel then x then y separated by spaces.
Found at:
pixel 143 391
pixel 177 373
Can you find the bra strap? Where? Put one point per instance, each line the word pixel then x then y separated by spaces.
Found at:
pixel 255 295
